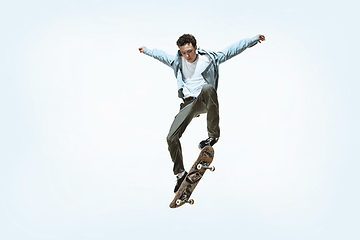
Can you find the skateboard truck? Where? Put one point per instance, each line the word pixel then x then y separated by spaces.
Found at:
pixel 185 200
pixel 200 166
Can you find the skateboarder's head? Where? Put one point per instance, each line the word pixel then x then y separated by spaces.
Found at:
pixel 187 46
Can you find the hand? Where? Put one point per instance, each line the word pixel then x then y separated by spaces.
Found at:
pixel 261 38
pixel 142 49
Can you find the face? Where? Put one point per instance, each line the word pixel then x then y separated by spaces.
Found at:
pixel 189 52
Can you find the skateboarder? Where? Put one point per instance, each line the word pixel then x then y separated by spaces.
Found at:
pixel 197 74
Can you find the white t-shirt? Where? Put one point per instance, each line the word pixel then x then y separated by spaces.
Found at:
pixel 193 80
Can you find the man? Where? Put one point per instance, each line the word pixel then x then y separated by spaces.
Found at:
pixel 197 74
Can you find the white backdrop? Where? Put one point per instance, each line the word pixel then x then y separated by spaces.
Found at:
pixel 85 116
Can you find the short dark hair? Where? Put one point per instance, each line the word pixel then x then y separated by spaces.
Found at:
pixel 186 38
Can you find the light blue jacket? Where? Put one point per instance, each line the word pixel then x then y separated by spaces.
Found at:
pixel 211 73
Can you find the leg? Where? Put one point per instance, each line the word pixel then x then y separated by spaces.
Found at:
pixel 181 121
pixel 208 95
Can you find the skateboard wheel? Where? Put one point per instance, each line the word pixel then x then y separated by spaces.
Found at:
pixel 191 201
pixel 178 202
pixel 212 168
pixel 199 166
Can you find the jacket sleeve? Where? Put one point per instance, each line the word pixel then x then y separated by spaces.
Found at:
pixel 236 48
pixel 160 55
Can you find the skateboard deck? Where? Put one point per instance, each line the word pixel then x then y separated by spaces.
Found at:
pixel 196 172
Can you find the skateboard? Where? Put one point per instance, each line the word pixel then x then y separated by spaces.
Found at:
pixel 196 172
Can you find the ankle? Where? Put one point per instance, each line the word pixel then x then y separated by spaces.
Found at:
pixel 180 175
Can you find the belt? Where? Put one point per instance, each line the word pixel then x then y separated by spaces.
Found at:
pixel 189 99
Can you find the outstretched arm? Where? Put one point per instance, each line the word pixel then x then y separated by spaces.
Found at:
pixel 238 47
pixel 159 55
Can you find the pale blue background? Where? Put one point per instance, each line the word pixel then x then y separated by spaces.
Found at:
pixel 84 118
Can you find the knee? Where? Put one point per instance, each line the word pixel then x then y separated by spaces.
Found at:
pixel 171 140
pixel 208 88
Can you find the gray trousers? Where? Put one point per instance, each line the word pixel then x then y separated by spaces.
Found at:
pixel 206 102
